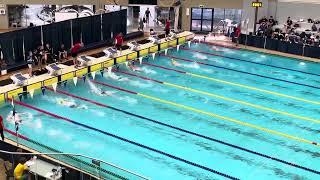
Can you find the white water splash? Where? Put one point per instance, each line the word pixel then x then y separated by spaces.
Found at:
pixel 147 70
pixel 141 84
pixel 115 77
pixel 200 56
pixel 25 119
pixel 129 100
pixel 94 88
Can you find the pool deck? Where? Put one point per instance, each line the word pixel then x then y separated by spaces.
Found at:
pixel 226 42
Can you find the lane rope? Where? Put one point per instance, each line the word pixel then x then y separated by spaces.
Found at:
pixel 127 140
pixel 243 72
pixel 238 85
pixel 226 98
pixel 252 62
pixel 270 131
pixel 189 132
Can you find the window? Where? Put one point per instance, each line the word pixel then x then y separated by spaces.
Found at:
pixel 209 19
pixel 201 19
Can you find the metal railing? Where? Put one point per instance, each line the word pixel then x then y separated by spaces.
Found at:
pixel 92 166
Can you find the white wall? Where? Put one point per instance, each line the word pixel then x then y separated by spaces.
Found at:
pixel 249 11
pixel 297 11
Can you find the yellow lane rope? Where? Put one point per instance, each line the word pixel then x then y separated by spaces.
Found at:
pixel 230 120
pixel 254 88
pixel 243 102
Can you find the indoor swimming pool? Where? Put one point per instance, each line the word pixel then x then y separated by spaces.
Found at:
pixel 203 112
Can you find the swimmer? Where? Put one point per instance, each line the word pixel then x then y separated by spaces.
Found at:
pixel 18 117
pixel 216 49
pixel 117 78
pixel 70 104
pixel 106 93
pixel 175 63
pixel 134 68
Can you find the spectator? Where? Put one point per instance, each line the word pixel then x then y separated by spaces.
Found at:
pixel 119 42
pixel 167 27
pixel 289 22
pixel 152 33
pixel 272 22
pixel 62 53
pixel 74 52
pixel 20 170
pixel 30 62
pixel 314 27
pixel 1 128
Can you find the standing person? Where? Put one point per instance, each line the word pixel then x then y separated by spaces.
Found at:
pixel 48 53
pixel 119 42
pixel 147 15
pixel 41 56
pixel 74 52
pixel 167 27
pixel 30 62
pixel 237 35
pixel 141 25
pixel 1 128
pixel 62 53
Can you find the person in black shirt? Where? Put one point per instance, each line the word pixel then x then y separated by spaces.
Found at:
pixel 30 62
pixel 62 53
pixel 147 16
pixel 271 21
pixel 48 54
pixel 41 56
pixel 289 22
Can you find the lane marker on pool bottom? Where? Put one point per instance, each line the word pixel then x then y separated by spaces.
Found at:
pixel 239 71
pixel 188 132
pixel 225 98
pixel 189 108
pixel 252 62
pixel 126 140
pixel 235 84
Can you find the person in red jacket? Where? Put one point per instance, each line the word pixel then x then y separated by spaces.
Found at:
pixel 119 41
pixel 167 27
pixel 237 34
pixel 74 52
pixel 1 128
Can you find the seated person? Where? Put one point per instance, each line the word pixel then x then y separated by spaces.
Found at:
pixel 63 54
pixel 289 22
pixel 272 22
pixel 314 27
pixel 20 170
pixel 152 33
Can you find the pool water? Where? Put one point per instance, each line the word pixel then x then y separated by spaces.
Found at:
pixel 190 120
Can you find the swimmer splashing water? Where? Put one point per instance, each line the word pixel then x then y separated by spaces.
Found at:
pixel 70 104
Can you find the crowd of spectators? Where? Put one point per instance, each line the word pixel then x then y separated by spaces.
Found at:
pixel 289 33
